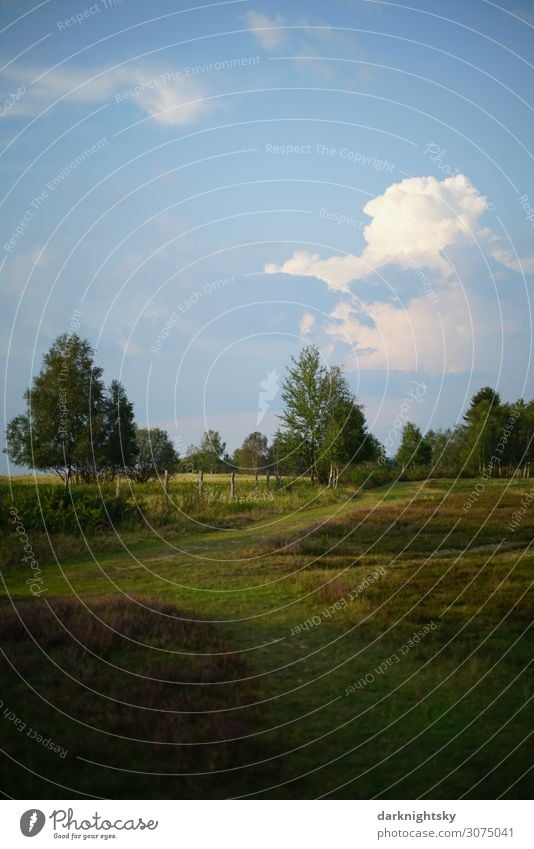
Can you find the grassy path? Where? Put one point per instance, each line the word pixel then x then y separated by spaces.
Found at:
pixel 432 717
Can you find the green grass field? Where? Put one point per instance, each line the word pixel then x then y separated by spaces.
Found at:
pixel 278 656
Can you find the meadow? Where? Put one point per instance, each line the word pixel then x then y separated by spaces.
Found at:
pixel 296 643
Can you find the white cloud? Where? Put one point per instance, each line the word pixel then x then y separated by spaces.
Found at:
pixel 174 103
pixel 163 95
pixel 413 223
pixel 419 223
pixel 415 337
pixel 268 31
pixel 306 323
pixel 497 249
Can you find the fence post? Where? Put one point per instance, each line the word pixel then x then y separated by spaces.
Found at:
pixel 200 482
pixel 232 485
pixel 267 480
pixel 166 484
pixel 117 487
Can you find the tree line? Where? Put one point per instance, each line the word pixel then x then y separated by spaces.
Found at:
pixel 493 437
pixel 80 428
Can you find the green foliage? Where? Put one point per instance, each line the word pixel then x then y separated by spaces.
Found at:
pixel 369 475
pixel 253 454
pixel 210 455
pixel 64 418
pixel 80 430
pixel 119 449
pixel 495 437
pixel 72 424
pixel 155 454
pixel 58 510
pixel 414 451
pixel 323 426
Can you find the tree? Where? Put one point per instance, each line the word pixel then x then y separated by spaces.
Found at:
pixel 253 454
pixel 210 456
pixel 413 450
pixel 155 454
pixel 119 449
pixel 345 439
pixel 520 445
pixel 62 429
pixel 323 425
pixel 486 394
pixel 306 394
pixel 446 448
pixel 485 420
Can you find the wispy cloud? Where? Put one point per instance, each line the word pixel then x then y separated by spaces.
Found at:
pixel 162 94
pixel 269 32
pixel 307 42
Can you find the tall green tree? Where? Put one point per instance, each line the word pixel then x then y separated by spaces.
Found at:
pixel 485 420
pixel 305 392
pixel 62 428
pixel 487 395
pixel 323 425
pixel 345 439
pixel 119 448
pixel 155 454
pixel 521 443
pixel 414 451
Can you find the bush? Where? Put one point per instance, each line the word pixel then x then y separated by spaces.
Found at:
pixel 54 509
pixel 369 475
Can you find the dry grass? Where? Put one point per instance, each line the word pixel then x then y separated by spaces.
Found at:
pixel 122 669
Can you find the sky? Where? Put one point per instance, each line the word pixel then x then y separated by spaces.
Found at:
pixel 201 190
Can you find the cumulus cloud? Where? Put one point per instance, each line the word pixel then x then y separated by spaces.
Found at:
pixel 417 225
pixel 165 96
pixel 268 31
pixel 415 337
pixel 415 222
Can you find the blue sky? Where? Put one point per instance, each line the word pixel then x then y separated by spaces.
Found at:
pixel 214 187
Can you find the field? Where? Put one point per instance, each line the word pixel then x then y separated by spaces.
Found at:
pixel 349 644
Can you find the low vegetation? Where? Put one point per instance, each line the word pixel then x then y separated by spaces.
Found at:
pixel 365 647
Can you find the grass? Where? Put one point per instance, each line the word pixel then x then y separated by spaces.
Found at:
pixel 298 672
